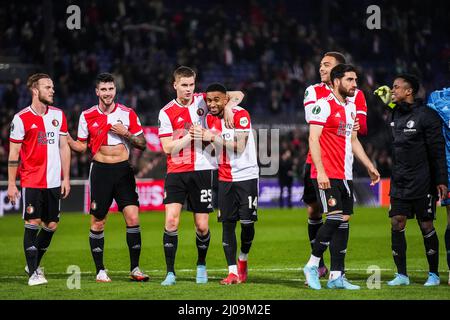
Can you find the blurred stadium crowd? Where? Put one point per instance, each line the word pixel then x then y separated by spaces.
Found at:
pixel 270 51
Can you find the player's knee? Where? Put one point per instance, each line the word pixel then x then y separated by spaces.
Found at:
pixel 172 223
pixel 98 225
pixel 426 226
pixel 132 221
pixel 52 226
pixel 398 223
pixel 314 211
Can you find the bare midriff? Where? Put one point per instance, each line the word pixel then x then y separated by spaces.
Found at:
pixel 112 154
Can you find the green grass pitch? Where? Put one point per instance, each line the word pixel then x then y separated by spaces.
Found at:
pixel 279 250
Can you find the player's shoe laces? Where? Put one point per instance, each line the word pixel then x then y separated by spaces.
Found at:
pixel 312 277
pixel 322 271
pixel 202 276
pixel 399 280
pixel 230 279
pixel 170 279
pixel 341 283
pixel 36 279
pixel 102 276
pixel 242 270
pixel 138 275
pixel 433 280
pixel 39 270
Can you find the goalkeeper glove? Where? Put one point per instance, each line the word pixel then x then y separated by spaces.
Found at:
pixel 384 93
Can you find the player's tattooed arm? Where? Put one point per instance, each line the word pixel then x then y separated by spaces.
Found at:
pixel 136 141
pixel 13 163
pixel 235 97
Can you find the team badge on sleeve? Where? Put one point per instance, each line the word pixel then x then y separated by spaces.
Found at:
pixel 243 121
pixel 316 110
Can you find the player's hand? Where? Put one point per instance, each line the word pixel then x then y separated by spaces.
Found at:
pixel 119 129
pixel 356 126
pixel 65 188
pixel 197 133
pixel 384 93
pixel 228 117
pixel 374 175
pixel 442 191
pixel 323 181
pixel 13 194
pixel 208 136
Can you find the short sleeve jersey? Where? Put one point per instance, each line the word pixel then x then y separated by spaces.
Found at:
pixel 40 161
pixel 233 166
pixel 174 121
pixel 337 120
pixel 322 90
pixel 94 126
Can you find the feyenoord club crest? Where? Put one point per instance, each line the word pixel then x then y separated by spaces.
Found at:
pixel 12 127
pixel 30 209
pixel 55 122
pixel 93 205
pixel 353 116
pixel 200 112
pixel 332 202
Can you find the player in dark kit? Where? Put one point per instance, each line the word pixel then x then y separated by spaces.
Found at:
pixel 110 129
pixel 39 137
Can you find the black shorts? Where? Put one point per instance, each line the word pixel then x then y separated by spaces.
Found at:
pixel 238 201
pixel 309 192
pixel 424 209
pixel 44 204
pixel 337 199
pixel 193 186
pixel 110 181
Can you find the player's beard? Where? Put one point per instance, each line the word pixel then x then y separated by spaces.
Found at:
pixel 107 104
pixel 345 93
pixel 45 101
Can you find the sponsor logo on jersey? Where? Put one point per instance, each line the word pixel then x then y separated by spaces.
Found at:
pixel 316 110
pixel 410 124
pixel 95 125
pixel 33 126
pixel 55 123
pixel 46 137
pixel 243 121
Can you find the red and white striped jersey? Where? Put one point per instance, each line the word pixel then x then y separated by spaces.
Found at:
pixel 322 90
pixel 233 166
pixel 40 161
pixel 94 126
pixel 174 121
pixel 337 120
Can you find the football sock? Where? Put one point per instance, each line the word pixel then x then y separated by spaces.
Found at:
pixel 431 243
pixel 338 248
pixel 229 242
pixel 399 250
pixel 447 244
pixel 134 245
pixel 30 247
pixel 97 243
pixel 313 261
pixel 202 243
pixel 325 234
pixel 314 226
pixel 170 242
pixel 233 269
pixel 247 236
pixel 44 238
